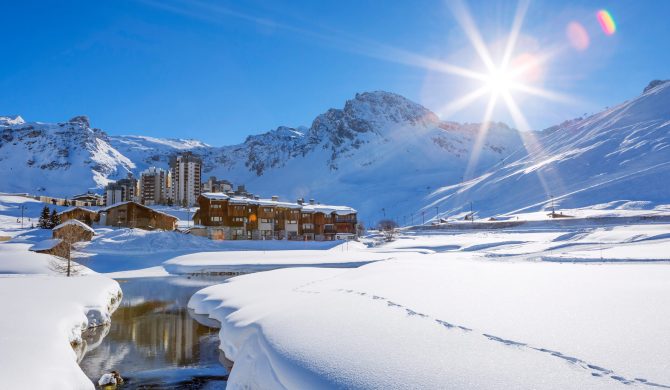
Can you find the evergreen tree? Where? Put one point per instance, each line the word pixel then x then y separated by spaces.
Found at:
pixel 54 219
pixel 43 222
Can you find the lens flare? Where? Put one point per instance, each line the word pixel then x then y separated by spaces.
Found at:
pixel 606 22
pixel 577 36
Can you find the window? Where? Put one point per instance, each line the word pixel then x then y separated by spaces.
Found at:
pixel 305 215
pixel 217 219
pixel 265 220
pixel 216 206
pixel 292 222
pixel 267 209
pixel 239 219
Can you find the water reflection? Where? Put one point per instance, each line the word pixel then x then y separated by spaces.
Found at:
pixel 154 342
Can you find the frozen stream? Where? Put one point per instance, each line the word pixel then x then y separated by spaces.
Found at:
pixel 153 341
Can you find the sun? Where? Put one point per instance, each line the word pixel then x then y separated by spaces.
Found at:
pixel 499 82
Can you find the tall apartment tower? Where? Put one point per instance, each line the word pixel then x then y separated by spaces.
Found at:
pixel 154 186
pixel 186 171
pixel 123 190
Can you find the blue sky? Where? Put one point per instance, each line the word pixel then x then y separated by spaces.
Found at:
pixel 219 71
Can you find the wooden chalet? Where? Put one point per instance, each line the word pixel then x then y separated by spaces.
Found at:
pixel 73 231
pixel 227 217
pixel 82 214
pixel 134 215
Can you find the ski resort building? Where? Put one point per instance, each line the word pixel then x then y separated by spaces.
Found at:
pixel 124 190
pixel 185 172
pixel 154 186
pixel 73 231
pixel 135 215
pixel 214 185
pixel 82 214
pixel 229 217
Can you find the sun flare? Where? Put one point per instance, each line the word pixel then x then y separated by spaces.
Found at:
pixel 499 81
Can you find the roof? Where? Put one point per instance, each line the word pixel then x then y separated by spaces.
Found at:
pixel 139 205
pixel 75 208
pixel 46 244
pixel 76 223
pixel 328 209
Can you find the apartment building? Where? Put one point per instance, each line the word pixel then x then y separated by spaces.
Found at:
pixel 229 217
pixel 154 186
pixel 186 170
pixel 214 185
pixel 124 190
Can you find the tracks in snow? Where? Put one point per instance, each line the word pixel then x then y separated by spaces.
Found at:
pixel 594 369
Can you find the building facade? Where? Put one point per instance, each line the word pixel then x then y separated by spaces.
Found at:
pixel 135 215
pixel 154 186
pixel 124 190
pixel 214 185
pixel 186 171
pixel 228 217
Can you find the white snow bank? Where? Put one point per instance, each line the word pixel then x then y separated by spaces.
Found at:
pixel 254 261
pixel 439 321
pixel 41 316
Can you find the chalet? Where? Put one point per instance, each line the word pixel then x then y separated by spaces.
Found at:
pixel 73 231
pixel 230 217
pixel 88 199
pixel 55 247
pixel 134 215
pixel 79 213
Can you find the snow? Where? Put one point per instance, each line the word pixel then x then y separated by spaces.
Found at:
pixel 461 309
pixel 255 261
pixel 74 222
pixel 619 155
pixel 46 244
pixel 42 315
pixel 43 312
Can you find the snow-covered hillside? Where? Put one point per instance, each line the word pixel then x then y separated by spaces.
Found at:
pixel 380 151
pixel 383 155
pixel 618 158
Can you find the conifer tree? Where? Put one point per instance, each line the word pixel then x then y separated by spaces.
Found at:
pixel 54 219
pixel 43 222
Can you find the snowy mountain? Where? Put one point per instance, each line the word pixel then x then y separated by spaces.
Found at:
pixel 618 158
pixel 381 151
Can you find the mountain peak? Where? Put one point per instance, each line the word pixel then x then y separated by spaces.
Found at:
pixel 653 84
pixel 9 120
pixel 378 105
pixel 82 119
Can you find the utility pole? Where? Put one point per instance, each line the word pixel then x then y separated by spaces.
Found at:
pixel 22 208
pixel 412 219
pixel 404 220
pixel 384 212
pixel 423 217
pixel 472 215
pixel 437 213
pixel 552 205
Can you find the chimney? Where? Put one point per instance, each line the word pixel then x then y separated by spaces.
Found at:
pixel 275 198
pixel 311 201
pixel 300 201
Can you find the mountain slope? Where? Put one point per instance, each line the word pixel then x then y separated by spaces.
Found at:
pixel 617 158
pixel 381 151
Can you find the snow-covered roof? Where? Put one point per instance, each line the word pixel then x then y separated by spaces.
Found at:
pixel 105 209
pixel 76 223
pixel 46 244
pixel 67 210
pixel 328 209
